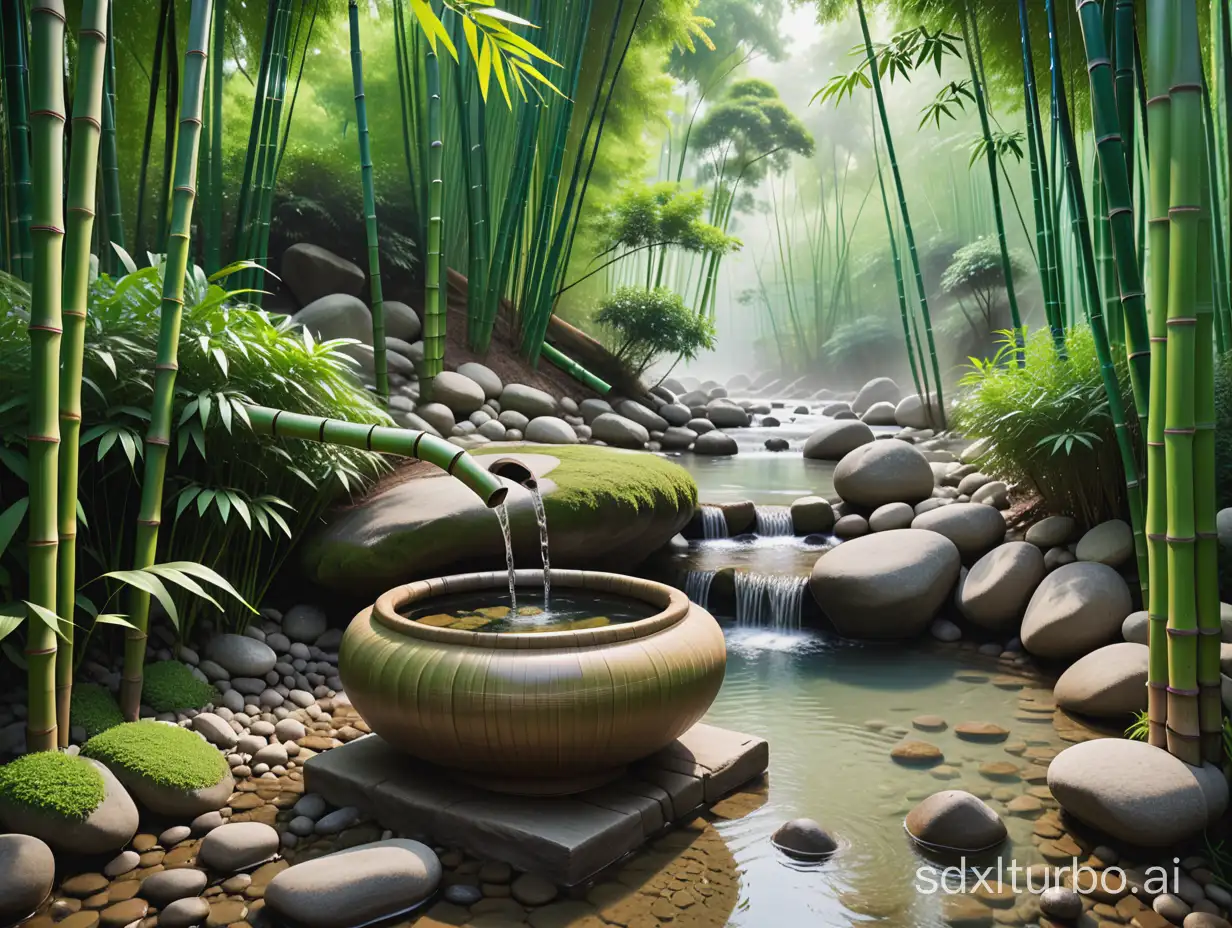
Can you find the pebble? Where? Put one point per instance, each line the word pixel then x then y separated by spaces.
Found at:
pixel 1171 907
pixel 168 885
pixel 301 826
pixel 530 889
pixel 237 846
pixel 122 863
pixel 337 820
pixel 174 835
pixel 1060 902
pixel 311 805
pixel 184 912
pixel 462 894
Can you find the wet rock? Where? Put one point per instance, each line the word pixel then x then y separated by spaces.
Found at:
pixel 304 623
pixel 891 516
pixel 168 885
pixel 532 890
pixel 483 375
pixel 1075 609
pixel 1110 543
pixel 27 871
pixel 945 630
pixel 237 846
pixel 929 723
pixel 357 886
pixel 462 894
pixel 852 526
pixel 912 413
pixel 1000 584
pixel 647 418
pixel 886 585
pixel 981 731
pixel 677 438
pixel 1135 792
pixel 973 528
pixel 883 472
pixel 879 414
pixel 804 838
pixel 675 413
pixel 1051 531
pixel 312 272
pixel 122 863
pixel 531 402
pixel 877 390
pixel 715 443
pixel 548 430
pixel 994 493
pixel 915 753
pixel 184 913
pixel 811 514
pixel 1060 902
pixel 401 322
pixel 726 414
pixel 1110 682
pixel 777 444
pixel 1058 557
pixel 835 439
pixel 241 656
pixel 955 820
pixel 619 431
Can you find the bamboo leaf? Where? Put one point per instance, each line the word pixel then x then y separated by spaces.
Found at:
pixel 531 70
pixel 47 617
pixel 493 13
pixel 203 501
pixel 85 604
pixel 506 38
pixel 201 572
pixel 148 583
pixel 242 508
pixel 224 411
pixel 14 462
pixel 427 21
pixel 130 447
pixel 126 259
pixel 113 618
pixel 222 501
pixel 220 356
pixel 472 37
pixel 108 442
pixel 185 498
pixel 484 66
pixel 236 266
pixel 11 616
pixel 181 579
pixel 13 655
pixel 10 521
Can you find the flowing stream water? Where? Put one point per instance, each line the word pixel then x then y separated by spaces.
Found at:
pixel 697 586
pixel 769 600
pixel 774 521
pixel 502 516
pixel 541 517
pixel 714 522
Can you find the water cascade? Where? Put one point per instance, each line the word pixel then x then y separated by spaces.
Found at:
pixel 774 521
pixel 769 600
pixel 714 523
pixel 502 516
pixel 697 586
pixel 541 517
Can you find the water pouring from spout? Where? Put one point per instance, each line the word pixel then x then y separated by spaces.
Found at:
pixel 519 473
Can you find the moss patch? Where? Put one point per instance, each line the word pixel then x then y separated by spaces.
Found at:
pixel 167 755
pixel 170 686
pixel 589 476
pixel 53 784
pixel 94 708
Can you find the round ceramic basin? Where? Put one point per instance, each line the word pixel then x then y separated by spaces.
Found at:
pixel 548 712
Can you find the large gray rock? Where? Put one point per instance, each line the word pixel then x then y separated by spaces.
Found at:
pixel 27 872
pixel 1137 627
pixel 973 528
pixel 911 413
pixel 891 516
pixel 439 416
pixel 879 414
pixel 883 472
pixel 644 417
pixel 726 414
pixel 811 514
pixel 1135 792
pixel 216 730
pixel 1075 609
pixel 108 828
pixel 237 846
pixel 955 820
pixel 1051 531
pixel 166 886
pixel 715 443
pixel 836 438
pixel 589 409
pixel 304 623
pixel 700 426
pixel 677 438
pixel 461 394
pixel 885 585
pixel 483 375
pixel 401 322
pixel 338 315
pixel 1110 543
pixel 241 656
pixel 1000 584
pixel 548 430
pixel 360 885
pixel 877 390
pixel 1108 682
pixel 675 413
pixel 311 272
pixel 529 401
pixel 619 431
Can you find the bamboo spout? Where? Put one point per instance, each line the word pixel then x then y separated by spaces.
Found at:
pixel 406 442
pixel 515 470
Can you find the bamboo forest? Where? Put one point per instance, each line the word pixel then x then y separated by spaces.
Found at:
pixel 615 463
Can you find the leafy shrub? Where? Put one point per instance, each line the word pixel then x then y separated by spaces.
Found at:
pixel 170 686
pixel 1047 426
pixel 235 502
pixel 95 709
pixel 164 754
pixel 975 274
pixel 54 783
pixel 651 323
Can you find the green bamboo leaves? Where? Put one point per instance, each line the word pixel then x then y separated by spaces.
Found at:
pixel 159 435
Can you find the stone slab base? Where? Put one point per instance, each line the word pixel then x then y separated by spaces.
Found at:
pixel 564 839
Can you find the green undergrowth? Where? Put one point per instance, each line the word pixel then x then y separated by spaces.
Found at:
pixel 52 783
pixel 170 686
pixel 94 708
pixel 589 477
pixel 164 754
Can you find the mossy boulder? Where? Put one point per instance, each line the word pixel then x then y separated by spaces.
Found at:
pixel 606 509
pixel 170 770
pixel 72 803
pixel 170 686
pixel 94 708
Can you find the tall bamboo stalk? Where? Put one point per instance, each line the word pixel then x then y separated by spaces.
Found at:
pixel 151 111
pixel 921 291
pixel 110 158
pixel 47 120
pixel 17 119
pixel 213 243
pixel 158 438
pixel 365 167
pixel 243 211
pixel 434 283
pixel 1158 121
pixel 1035 155
pixel 82 179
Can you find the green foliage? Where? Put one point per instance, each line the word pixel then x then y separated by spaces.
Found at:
pixel 1047 426
pixel 54 784
pixel 739 28
pixel 95 709
pixel 167 755
pixel 235 503
pixel 170 686
pixel 650 323
pixel 975 273
pixel 1140 728
pixel 900 57
pixel 751 132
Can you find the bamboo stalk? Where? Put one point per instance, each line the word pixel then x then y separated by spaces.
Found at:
pixel 434 282
pixel 151 110
pixel 17 120
pixel 365 167
pixel 111 160
pixel 213 244
pixel 278 77
pixel 47 120
pixel 82 177
pixel 158 438
pixel 240 239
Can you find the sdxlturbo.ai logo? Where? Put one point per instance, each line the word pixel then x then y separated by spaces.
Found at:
pixel 957 880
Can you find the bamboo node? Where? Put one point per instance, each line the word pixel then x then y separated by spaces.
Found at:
pixel 54 114
pixel 47 439
pixel 1185 88
pixel 1172 731
pixel 42 543
pixel 1182 632
pixel 54 330
pixel 1184 208
pixel 1177 691
pixel 1179 431
pixel 1116 211
pixel 1183 320
pixel 1181 539
pixel 54 230
pixel 84 210
pixel 1159 98
pixel 88 119
pixel 1212 632
pixel 163 442
pixel 1093 63
pixel 153 523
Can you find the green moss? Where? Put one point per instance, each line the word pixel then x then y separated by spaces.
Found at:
pixel 52 783
pixel 170 686
pixel 94 708
pixel 164 754
pixel 589 476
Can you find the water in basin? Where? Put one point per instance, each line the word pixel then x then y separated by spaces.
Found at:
pixel 570 611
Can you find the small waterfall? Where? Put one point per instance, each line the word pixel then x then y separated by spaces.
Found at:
pixel 542 518
pixel 502 516
pixel 697 586
pixel 714 522
pixel 769 600
pixel 774 521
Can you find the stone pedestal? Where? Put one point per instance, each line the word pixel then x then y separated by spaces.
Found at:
pixel 565 839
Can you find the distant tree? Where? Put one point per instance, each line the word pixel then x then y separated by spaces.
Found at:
pixel 648 324
pixel 741 28
pixel 975 274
